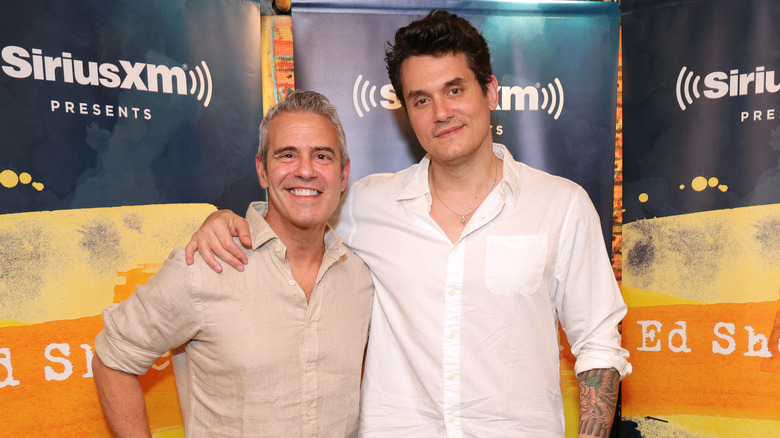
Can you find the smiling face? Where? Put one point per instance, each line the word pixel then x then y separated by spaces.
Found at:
pixel 303 172
pixel 448 110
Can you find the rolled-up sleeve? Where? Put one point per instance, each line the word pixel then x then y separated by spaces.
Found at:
pixel 159 316
pixel 588 299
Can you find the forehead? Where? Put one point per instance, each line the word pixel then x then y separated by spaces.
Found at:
pixel 302 129
pixel 428 71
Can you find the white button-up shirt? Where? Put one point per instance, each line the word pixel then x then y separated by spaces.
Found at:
pixel 463 338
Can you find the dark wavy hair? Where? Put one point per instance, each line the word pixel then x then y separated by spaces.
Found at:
pixel 439 33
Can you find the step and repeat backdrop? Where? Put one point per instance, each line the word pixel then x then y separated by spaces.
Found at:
pixel 123 124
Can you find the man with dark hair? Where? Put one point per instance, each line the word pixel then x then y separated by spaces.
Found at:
pixel 476 258
pixel 278 349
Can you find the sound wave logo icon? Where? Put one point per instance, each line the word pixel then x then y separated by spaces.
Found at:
pixel 364 98
pixel 685 88
pixel 201 83
pixel 554 99
pixel 359 97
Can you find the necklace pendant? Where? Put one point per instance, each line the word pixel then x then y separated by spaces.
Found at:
pixel 463 219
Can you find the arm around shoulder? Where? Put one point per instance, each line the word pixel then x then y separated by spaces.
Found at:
pixel 214 239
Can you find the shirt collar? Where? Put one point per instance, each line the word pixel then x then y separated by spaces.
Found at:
pixel 416 182
pixel 262 233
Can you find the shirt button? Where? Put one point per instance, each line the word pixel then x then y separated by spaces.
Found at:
pixel 452 292
pixel 308 413
pixel 292 282
pixel 452 419
pixel 309 324
pixel 451 334
pixel 451 377
pixel 307 369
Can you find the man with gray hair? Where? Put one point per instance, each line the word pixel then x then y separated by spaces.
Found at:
pixel 276 350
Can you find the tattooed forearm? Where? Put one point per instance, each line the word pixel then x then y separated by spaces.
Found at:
pixel 598 399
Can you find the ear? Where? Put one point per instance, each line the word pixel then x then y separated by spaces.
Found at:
pixel 345 175
pixel 492 93
pixel 261 174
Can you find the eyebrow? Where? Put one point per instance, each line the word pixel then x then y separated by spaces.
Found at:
pixel 452 82
pixel 315 149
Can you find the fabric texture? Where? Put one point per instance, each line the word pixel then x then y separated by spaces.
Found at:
pixel 464 338
pixel 259 360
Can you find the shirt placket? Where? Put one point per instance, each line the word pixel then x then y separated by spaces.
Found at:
pixel 310 356
pixel 309 353
pixel 453 301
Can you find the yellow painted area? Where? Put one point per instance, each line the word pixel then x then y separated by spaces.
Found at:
pixel 712 182
pixel 643 197
pixel 571 401
pixel 699 183
pixel 9 179
pixel 635 297
pixel 61 265
pixel 9 323
pixel 702 426
pixel 722 256
pixel 174 433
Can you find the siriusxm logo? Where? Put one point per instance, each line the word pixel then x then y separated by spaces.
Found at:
pixel 720 84
pixel 517 97
pixel 509 98
pixel 20 63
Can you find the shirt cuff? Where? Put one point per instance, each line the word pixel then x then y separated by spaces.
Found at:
pixel 618 362
pixel 118 354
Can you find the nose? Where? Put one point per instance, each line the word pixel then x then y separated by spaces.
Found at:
pixel 441 110
pixel 305 169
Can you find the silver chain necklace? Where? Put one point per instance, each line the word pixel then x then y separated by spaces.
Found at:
pixel 463 216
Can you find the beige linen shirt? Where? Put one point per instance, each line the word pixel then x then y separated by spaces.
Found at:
pixel 260 361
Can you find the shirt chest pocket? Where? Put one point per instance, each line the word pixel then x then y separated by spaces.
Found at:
pixel 514 265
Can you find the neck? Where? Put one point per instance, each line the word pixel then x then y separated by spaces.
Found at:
pixel 305 249
pixel 458 191
pixel 302 244
pixel 466 177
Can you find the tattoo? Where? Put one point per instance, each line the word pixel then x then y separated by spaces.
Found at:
pixel 598 400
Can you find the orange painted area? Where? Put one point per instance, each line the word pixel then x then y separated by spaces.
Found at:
pixel 702 382
pixel 67 401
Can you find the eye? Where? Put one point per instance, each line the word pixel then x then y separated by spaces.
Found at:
pixel 421 101
pixel 285 156
pixel 456 91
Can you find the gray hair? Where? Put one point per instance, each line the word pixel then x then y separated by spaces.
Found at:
pixel 303 101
